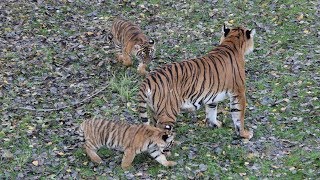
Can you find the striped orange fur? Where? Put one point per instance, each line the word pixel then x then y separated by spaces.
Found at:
pixel 189 84
pixel 131 41
pixel 131 139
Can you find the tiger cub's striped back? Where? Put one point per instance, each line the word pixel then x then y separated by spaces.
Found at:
pixel 189 84
pixel 131 139
pixel 131 41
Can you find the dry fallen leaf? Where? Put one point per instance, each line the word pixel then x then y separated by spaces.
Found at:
pixel 89 33
pixel 300 17
pixel 292 168
pixel 60 153
pixel 36 163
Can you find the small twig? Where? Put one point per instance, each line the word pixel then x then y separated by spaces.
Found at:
pixel 64 107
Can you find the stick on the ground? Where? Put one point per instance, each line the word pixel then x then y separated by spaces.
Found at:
pixel 64 107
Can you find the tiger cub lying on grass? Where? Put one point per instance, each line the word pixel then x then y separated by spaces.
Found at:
pixel 131 41
pixel 131 139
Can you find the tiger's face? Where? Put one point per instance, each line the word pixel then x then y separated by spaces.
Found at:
pixel 145 52
pixel 166 142
pixel 243 34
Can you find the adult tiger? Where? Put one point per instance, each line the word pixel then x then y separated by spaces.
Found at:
pixel 131 41
pixel 206 80
pixel 131 139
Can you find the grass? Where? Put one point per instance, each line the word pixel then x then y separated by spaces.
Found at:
pixel 284 66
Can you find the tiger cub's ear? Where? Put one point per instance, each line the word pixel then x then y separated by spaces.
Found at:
pixel 250 33
pixel 151 41
pixel 225 30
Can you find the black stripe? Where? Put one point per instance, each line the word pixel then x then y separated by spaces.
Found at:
pixel 150 143
pixel 156 156
pixel 212 105
pixel 124 133
pixel 154 151
pixel 235 110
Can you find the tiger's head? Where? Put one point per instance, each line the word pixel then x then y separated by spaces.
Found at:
pixel 241 34
pixel 145 51
pixel 165 141
pixel 164 122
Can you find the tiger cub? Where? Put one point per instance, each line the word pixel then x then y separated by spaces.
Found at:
pixel 189 84
pixel 131 41
pixel 131 139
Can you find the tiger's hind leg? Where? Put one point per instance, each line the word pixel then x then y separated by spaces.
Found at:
pixel 92 153
pixel 211 115
pixel 143 115
pixel 237 110
pixel 127 159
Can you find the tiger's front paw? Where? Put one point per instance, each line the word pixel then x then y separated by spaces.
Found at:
pixel 142 69
pixel 119 57
pixel 214 124
pixel 126 166
pixel 246 134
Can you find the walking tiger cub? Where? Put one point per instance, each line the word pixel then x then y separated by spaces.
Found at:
pixel 131 139
pixel 131 41
pixel 189 84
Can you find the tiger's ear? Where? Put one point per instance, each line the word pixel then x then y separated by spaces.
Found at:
pixel 165 137
pixel 151 41
pixel 250 33
pixel 225 30
pixel 168 127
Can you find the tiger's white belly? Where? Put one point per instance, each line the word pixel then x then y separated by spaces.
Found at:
pixel 189 106
pixel 220 97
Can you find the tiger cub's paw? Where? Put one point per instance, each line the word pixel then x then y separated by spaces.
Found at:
pixel 97 160
pixel 171 163
pixel 119 57
pixel 168 154
pixel 142 69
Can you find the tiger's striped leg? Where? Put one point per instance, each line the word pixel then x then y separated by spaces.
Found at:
pixel 142 69
pixel 211 115
pixel 92 153
pixel 161 158
pixel 127 159
pixel 143 113
pixel 237 110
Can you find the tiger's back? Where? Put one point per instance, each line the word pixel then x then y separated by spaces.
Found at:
pixel 189 84
pixel 98 133
pixel 125 31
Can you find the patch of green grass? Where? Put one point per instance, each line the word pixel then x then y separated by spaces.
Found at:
pixel 124 85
